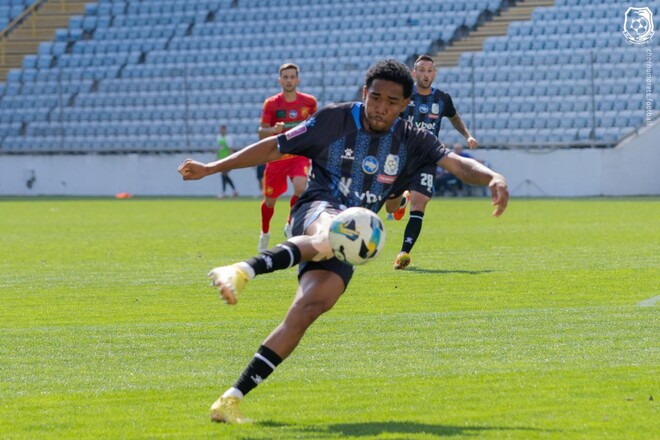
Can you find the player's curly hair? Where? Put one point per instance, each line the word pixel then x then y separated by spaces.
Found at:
pixel 391 70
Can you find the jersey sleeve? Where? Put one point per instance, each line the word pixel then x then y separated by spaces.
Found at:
pixel 424 164
pixel 450 110
pixel 314 106
pixel 426 151
pixel 268 113
pixel 311 136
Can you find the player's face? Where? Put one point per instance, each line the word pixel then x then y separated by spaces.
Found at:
pixel 289 80
pixel 424 74
pixel 383 102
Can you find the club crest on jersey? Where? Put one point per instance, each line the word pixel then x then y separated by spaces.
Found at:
pixel 391 165
pixel 370 165
pixel 293 114
pixel 435 108
pixel 423 108
pixel 296 131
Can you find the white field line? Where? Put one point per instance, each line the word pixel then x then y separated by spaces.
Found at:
pixel 650 302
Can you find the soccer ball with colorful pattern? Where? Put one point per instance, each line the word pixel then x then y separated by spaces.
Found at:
pixel 356 236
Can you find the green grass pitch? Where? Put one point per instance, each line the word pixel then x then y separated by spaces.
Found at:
pixel 542 324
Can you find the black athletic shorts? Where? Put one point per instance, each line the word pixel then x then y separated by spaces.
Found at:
pixel 304 215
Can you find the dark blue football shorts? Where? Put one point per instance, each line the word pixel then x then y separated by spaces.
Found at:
pixel 303 216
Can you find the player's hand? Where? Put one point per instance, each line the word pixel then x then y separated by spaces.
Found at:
pixel 472 142
pixel 278 127
pixel 500 194
pixel 192 170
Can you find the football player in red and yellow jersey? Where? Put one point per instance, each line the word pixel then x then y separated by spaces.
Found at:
pixel 280 113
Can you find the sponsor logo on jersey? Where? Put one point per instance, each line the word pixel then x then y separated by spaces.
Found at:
pixel 382 178
pixel 280 114
pixel 293 114
pixel 368 197
pixel 435 108
pixel 296 131
pixel 429 126
pixel 370 165
pixel 391 165
pixel 345 185
pixel 423 108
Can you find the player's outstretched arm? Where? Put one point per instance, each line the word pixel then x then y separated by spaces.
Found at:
pixel 472 172
pixel 263 151
pixel 460 126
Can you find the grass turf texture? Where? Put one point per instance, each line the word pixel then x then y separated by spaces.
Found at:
pixel 528 326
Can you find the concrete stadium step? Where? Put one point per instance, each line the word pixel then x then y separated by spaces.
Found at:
pixel 498 25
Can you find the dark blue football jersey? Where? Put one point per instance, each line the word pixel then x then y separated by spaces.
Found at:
pixel 426 111
pixel 353 167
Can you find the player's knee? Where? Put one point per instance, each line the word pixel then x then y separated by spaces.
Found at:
pixel 304 313
pixel 418 202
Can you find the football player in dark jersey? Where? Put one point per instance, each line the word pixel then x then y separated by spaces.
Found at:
pixel 362 154
pixel 426 109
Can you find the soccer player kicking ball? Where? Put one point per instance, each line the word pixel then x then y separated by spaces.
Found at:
pixel 425 111
pixel 361 154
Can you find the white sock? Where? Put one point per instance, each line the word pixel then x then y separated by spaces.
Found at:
pixel 247 268
pixel 233 392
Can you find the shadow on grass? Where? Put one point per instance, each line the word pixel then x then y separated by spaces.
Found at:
pixel 401 428
pixel 376 428
pixel 467 272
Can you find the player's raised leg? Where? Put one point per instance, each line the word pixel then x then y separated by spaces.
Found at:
pixel 313 246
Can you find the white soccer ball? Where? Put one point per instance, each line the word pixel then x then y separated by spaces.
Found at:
pixel 356 235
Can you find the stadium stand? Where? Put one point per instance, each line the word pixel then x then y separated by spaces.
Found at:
pixel 566 77
pixel 159 75
pixel 10 9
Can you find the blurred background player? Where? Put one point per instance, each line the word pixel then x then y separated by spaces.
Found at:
pixel 281 112
pixel 225 148
pixel 260 176
pixel 426 109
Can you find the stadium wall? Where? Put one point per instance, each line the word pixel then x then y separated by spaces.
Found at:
pixel 629 169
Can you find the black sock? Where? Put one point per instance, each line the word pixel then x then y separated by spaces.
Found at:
pixel 263 363
pixel 280 257
pixel 413 228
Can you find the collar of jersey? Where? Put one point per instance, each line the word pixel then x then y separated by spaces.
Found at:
pixel 415 90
